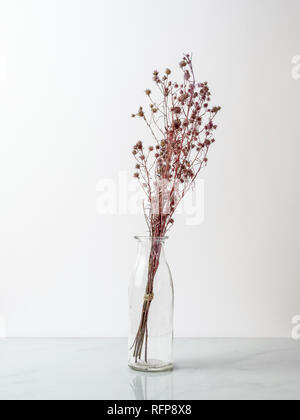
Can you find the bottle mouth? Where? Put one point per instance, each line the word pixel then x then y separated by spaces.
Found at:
pixel 151 238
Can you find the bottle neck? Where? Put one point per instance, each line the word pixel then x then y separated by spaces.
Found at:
pixel 148 246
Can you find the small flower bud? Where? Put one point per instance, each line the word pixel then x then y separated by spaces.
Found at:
pixel 176 109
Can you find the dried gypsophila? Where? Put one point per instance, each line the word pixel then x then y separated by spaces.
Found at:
pixel 182 126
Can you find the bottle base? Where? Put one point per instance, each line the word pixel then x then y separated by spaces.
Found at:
pixel 152 365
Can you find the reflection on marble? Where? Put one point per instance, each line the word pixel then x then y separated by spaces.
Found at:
pixel 151 386
pixel 87 369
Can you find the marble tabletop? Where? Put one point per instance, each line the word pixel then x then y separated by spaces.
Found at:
pixel 91 369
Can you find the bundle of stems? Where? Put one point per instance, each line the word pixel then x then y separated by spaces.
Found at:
pixel 181 123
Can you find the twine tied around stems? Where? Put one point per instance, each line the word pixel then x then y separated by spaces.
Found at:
pixel 148 297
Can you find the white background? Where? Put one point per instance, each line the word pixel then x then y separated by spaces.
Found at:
pixel 71 72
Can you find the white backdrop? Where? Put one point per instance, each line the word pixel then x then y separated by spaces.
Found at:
pixel 71 72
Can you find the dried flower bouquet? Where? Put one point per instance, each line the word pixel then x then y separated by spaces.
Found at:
pixel 181 123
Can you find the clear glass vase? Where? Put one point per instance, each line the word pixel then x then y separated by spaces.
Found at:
pixel 151 307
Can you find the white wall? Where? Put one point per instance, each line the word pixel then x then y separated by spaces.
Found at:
pixel 71 72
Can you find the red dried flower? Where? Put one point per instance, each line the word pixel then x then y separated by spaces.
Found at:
pixel 181 145
pixel 181 152
pixel 176 109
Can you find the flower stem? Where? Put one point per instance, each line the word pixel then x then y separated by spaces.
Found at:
pixel 142 336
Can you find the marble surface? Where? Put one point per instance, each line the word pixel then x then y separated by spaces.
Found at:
pixel 88 369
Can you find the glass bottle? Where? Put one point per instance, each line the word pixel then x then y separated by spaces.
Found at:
pixel 151 307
